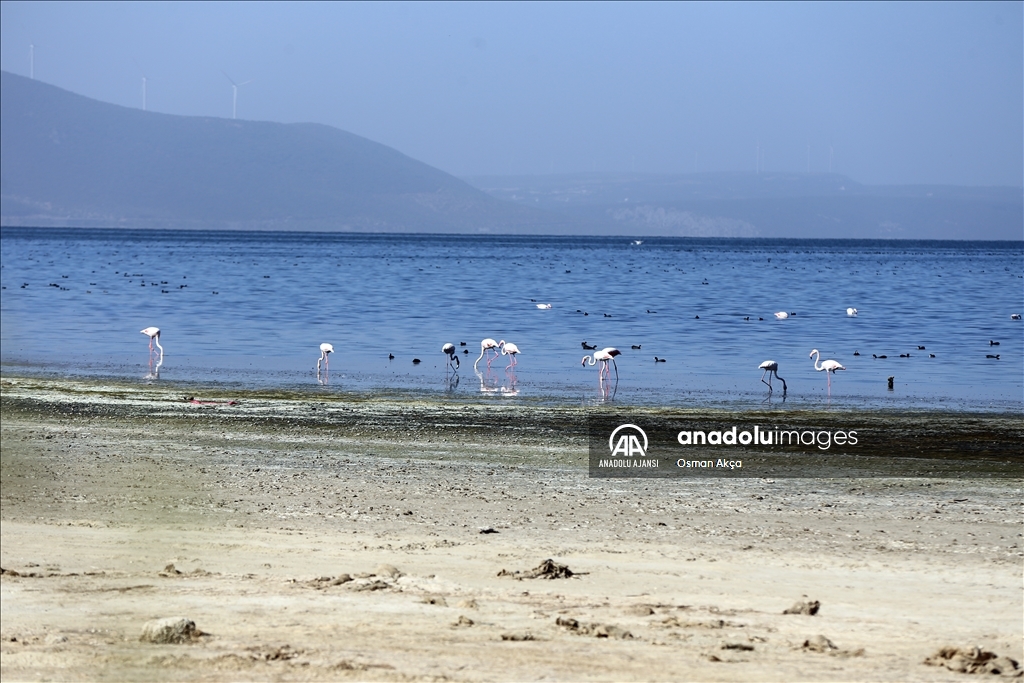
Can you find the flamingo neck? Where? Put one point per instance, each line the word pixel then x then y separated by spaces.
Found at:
pixel 817 360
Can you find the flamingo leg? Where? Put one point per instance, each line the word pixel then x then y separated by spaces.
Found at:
pixel 616 370
pixel 769 382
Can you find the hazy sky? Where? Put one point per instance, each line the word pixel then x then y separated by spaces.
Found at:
pixel 903 93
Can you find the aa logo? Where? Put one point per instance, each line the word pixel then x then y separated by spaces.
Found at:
pixel 628 444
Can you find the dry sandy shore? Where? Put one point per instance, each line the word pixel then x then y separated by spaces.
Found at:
pixel 263 507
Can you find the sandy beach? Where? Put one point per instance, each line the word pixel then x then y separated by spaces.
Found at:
pixel 342 538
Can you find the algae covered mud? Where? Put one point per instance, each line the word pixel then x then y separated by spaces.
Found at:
pixel 368 537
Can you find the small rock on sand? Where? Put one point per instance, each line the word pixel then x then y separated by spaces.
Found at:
pixel 468 603
pixel 435 600
pixel 806 607
pixel 640 611
pixel 819 643
pixel 388 570
pixel 517 636
pixel 169 630
pixel 463 621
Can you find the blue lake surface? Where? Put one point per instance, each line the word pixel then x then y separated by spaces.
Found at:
pixel 250 309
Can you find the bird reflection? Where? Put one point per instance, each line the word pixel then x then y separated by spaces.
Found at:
pixel 488 383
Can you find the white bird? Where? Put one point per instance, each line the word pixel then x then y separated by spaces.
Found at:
pixel 544 307
pixel 604 355
pixel 829 366
pixel 486 344
pixel 509 349
pixel 852 312
pixel 325 349
pixel 453 359
pixel 154 338
pixel 770 368
pixel 782 315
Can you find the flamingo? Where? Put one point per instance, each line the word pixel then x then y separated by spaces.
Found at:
pixel 325 349
pixel 154 338
pixel 509 349
pixel 829 366
pixel 782 315
pixel 604 355
pixel 544 307
pixel 486 344
pixel 770 368
pixel 453 360
pixel 852 312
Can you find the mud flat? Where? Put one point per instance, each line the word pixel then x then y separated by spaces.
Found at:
pixel 362 538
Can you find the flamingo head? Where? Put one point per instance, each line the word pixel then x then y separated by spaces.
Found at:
pixel 812 353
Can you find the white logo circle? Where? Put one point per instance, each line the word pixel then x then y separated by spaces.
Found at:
pixel 612 444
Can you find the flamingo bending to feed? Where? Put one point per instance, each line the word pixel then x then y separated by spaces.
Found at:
pixel 484 346
pixel 154 338
pixel 782 315
pixel 453 360
pixel 770 368
pixel 829 366
pixel 509 349
pixel 604 355
pixel 325 349
pixel 852 312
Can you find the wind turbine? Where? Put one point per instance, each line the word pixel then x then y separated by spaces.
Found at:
pixel 143 84
pixel 32 61
pixel 234 94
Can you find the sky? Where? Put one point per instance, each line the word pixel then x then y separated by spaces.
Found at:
pixel 887 93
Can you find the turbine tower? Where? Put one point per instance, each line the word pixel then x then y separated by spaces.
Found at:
pixel 234 94
pixel 32 61
pixel 143 84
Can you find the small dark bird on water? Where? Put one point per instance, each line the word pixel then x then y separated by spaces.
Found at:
pixel 856 353
pixel 760 318
pixel 920 348
pixel 989 355
pixel 391 356
pixel 588 347
pixel 891 380
pixel 993 343
pixel 659 360
pixel 747 318
pixel 462 343
pixel 931 355
pixel 416 361
pixel 904 355
pixel 606 315
pixel 874 356
pixel 650 311
pixel 636 347
pixel 696 317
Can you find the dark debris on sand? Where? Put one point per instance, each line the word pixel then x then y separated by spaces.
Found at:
pixel 548 569
pixel 975 661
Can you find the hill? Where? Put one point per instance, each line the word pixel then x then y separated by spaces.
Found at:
pixel 67 160
pixel 797 205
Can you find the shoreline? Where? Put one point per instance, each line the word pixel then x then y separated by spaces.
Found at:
pixel 265 507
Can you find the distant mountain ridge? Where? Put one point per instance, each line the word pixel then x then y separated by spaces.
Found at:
pixel 68 160
pixel 800 205
pixel 71 161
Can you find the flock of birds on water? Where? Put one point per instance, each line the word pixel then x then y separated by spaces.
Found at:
pixel 604 356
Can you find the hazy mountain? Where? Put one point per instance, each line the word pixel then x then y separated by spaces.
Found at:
pixel 767 205
pixel 67 160
pixel 70 160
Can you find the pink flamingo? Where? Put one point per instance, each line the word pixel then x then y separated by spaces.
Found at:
pixel 484 346
pixel 509 349
pixel 154 338
pixel 829 366
pixel 604 355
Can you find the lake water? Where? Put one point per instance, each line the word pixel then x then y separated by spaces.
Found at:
pixel 250 309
